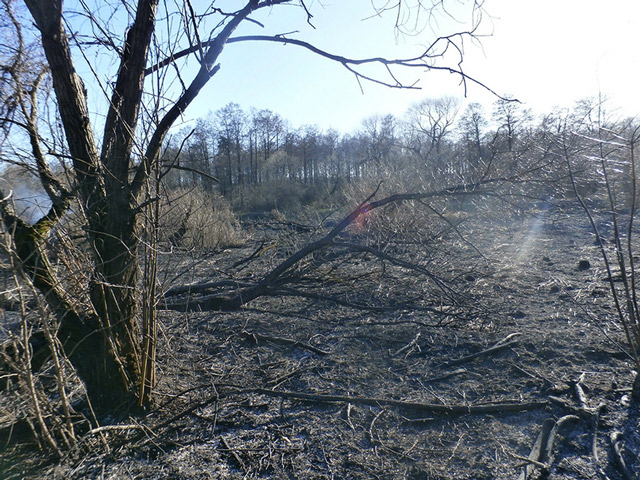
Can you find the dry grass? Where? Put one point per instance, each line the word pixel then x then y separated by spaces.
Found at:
pixel 195 219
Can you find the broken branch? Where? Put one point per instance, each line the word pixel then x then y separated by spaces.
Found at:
pixel 283 341
pixel 502 344
pixel 535 456
pixel 276 277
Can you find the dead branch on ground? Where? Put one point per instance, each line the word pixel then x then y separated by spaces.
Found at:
pixel 404 405
pixel 618 446
pixel 508 341
pixel 541 454
pixel 256 337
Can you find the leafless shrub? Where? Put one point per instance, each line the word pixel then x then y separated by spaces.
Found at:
pixel 40 399
pixel 601 158
pixel 420 221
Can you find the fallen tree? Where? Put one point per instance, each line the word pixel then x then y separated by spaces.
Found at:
pixel 233 294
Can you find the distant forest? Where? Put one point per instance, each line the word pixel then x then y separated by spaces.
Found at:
pixel 258 162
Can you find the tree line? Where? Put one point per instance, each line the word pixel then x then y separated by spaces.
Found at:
pixel 237 152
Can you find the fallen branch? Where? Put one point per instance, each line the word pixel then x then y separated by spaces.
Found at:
pixel 256 253
pixel 398 262
pixel 582 398
pixel 527 461
pixel 502 344
pixel 405 405
pixel 535 456
pixel 283 341
pixel 596 424
pixel 413 344
pixel 245 295
pixel 547 454
pixel 541 455
pixel 276 277
pixel 372 438
pixel 594 413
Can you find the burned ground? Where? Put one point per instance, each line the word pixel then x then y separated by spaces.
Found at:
pixel 301 387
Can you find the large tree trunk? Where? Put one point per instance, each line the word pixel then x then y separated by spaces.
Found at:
pixel 114 294
pixel 114 291
pixel 104 344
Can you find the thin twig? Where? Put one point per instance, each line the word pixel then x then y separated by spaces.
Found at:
pixel 413 344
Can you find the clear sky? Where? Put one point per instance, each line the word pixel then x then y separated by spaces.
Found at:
pixel 545 52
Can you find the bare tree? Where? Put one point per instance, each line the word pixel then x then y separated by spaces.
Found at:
pixel 231 126
pixel 429 122
pixel 472 127
pixel 511 120
pixel 110 172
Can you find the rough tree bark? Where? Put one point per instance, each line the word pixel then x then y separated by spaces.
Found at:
pixel 103 344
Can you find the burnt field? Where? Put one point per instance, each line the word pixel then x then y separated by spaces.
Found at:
pixel 447 359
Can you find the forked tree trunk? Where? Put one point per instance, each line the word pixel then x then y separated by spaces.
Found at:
pixel 104 344
pixel 97 364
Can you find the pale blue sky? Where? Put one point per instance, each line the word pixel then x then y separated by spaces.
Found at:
pixel 544 52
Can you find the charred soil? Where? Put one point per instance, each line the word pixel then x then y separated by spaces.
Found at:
pixel 299 386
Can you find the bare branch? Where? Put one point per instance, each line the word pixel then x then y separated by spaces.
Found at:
pixel 351 64
pixel 125 102
pixel 70 92
pixel 207 70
